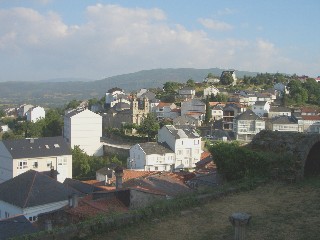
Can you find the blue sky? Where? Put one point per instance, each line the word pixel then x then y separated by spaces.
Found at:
pixel 45 39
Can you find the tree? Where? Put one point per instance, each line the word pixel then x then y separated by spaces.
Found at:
pixel 2 113
pixel 208 111
pixel 226 79
pixel 190 83
pixel 171 87
pixel 53 123
pixel 73 104
pixel 149 126
pixel 80 163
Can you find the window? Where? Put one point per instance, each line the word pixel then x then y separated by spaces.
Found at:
pixel 49 163
pixel 65 161
pixel 156 168
pixel 35 165
pixel 22 164
pixel 179 152
pixel 7 215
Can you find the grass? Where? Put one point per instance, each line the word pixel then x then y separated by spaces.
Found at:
pixel 279 211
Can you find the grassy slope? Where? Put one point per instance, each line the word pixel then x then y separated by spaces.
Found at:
pixel 278 211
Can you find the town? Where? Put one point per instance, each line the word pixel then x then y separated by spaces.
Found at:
pixel 130 150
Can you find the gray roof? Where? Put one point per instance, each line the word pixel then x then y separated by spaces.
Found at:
pixel 81 187
pixel 279 109
pixel 248 115
pixel 155 148
pixel 32 188
pixel 37 147
pixel 106 171
pixel 260 103
pixel 182 131
pixel 15 226
pixel 283 120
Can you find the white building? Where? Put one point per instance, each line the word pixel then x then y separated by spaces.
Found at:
pixel 210 91
pixel 30 194
pixel 187 92
pixel 284 124
pixel 40 154
pixel 165 110
pixel 261 108
pixel 36 113
pixel 246 125
pixel 23 109
pixel 83 128
pixel 115 95
pixel 151 156
pixel 184 141
pixel 279 111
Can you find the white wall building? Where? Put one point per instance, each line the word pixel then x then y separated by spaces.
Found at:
pixel 151 156
pixel 260 108
pixel 210 91
pixel 32 193
pixel 40 154
pixel 36 113
pixel 23 109
pixel 246 125
pixel 83 128
pixel 115 95
pixel 165 110
pixel 184 141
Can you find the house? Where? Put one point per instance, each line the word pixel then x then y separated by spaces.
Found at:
pixel 247 125
pixel 217 112
pixel 249 97
pixel 151 156
pixel 36 113
pixel 15 226
pixel 278 111
pixel 134 113
pixel 4 127
pixel 23 109
pixel 165 110
pixel 187 120
pixel 40 154
pixel 209 91
pixel 184 141
pixel 105 174
pixel 115 95
pixel 283 124
pixel 265 97
pixel 187 93
pixel 193 105
pixel 32 193
pixel 230 111
pixel 83 128
pixel 261 108
pixel 282 88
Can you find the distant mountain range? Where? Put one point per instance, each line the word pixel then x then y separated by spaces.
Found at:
pixel 57 92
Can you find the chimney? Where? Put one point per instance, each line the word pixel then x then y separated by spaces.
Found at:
pixel 118 172
pixel 48 225
pixel 74 200
pixel 53 173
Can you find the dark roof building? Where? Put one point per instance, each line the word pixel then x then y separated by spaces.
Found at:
pixel 37 147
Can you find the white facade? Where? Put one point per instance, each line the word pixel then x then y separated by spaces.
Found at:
pixel 23 109
pixel 247 125
pixel 261 108
pixel 116 96
pixel 11 167
pixel 156 161
pixel 8 210
pixel 84 129
pixel 164 110
pixel 210 91
pixel 35 114
pixel 185 143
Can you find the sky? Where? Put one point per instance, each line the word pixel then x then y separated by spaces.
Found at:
pixel 48 39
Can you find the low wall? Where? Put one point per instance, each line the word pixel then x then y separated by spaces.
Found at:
pixel 112 150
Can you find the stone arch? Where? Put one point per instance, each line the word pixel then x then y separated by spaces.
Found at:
pixel 306 147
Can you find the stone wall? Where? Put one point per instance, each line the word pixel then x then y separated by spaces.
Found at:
pixel 112 150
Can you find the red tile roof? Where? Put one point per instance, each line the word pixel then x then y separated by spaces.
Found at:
pixel 311 117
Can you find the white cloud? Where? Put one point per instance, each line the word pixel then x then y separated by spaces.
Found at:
pixel 215 24
pixel 116 40
pixel 225 11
